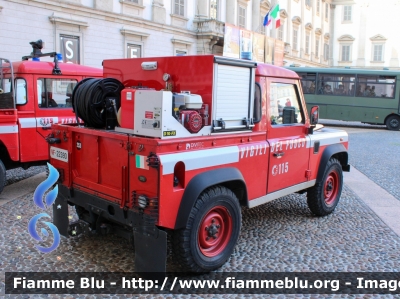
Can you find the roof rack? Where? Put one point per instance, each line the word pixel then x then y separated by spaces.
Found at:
pixel 36 53
pixel 56 69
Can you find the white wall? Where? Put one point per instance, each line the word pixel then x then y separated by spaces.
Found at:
pixel 100 39
pixel 369 18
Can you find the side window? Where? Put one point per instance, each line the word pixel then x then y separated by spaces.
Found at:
pixel 284 105
pixel 308 82
pixel 6 93
pixel 336 84
pixel 21 91
pixel 375 86
pixel 5 85
pixel 55 93
pixel 257 103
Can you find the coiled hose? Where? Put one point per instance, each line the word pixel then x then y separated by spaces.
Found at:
pixel 92 98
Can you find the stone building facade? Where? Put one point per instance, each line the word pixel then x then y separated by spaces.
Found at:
pixel 366 35
pixel 88 31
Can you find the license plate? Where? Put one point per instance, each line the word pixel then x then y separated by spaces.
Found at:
pixel 59 154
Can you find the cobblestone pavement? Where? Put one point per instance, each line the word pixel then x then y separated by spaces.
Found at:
pixel 374 151
pixel 281 236
pixel 19 174
pixel 278 236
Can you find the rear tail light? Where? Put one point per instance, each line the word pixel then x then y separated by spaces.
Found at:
pixel 145 204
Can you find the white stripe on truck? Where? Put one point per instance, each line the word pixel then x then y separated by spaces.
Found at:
pixel 8 129
pixel 200 158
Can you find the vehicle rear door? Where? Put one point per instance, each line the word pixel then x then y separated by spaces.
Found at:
pixel 99 163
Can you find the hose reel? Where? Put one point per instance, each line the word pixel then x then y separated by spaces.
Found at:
pixel 96 102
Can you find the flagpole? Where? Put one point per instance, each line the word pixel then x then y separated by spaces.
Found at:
pixel 267 20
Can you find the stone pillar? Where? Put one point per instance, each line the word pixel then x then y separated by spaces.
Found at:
pixel 158 13
pixel 201 9
pixel 302 29
pixel 312 32
pixel 362 36
pixel 231 12
pixel 273 30
pixel 331 34
pixel 322 21
pixel 289 23
pixel 394 59
pixel 256 16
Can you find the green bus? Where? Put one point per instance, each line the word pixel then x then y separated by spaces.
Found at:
pixel 368 96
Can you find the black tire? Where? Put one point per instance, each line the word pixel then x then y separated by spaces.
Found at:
pixel 211 232
pixel 3 176
pixel 323 198
pixel 393 123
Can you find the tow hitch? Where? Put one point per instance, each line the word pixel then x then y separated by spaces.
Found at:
pixel 77 228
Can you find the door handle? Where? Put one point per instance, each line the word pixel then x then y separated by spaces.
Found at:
pixel 279 155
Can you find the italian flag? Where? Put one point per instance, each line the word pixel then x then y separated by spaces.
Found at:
pixel 275 14
pixel 141 162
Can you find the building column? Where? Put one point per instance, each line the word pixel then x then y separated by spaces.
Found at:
pixel 302 30
pixel 158 14
pixel 332 34
pixel 273 30
pixel 312 32
pixel 289 25
pixel 201 9
pixel 256 16
pixel 361 36
pixel 231 12
pixel 394 59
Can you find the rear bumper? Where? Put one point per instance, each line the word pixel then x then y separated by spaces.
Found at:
pixel 150 241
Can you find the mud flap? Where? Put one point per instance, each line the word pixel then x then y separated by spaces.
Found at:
pixel 151 252
pixel 60 215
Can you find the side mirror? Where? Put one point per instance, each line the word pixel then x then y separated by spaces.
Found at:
pixel 314 115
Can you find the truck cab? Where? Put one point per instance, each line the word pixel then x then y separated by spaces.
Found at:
pixel 33 96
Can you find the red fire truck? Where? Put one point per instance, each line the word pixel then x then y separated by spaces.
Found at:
pixel 34 95
pixel 198 137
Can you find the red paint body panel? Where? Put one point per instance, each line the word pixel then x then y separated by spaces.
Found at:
pixel 8 118
pixel 253 157
pixel 128 104
pixel 28 144
pixel 289 169
pixel 46 68
pixel 189 73
pixel 98 167
pixel 104 156
pixel 268 70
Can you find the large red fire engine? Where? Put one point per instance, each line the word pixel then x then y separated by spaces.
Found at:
pixel 198 137
pixel 34 95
